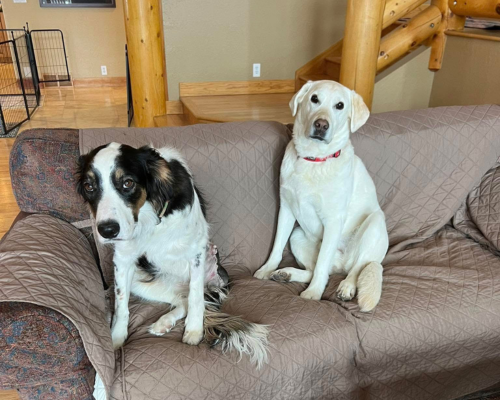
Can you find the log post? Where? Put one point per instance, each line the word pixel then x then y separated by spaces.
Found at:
pixel 438 42
pixel 363 29
pixel 408 37
pixel 476 8
pixel 144 30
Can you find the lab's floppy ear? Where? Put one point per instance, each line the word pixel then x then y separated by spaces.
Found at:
pixel 298 97
pixel 359 111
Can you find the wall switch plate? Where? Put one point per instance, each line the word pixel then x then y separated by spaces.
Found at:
pixel 256 70
pixel 104 70
pixel 19 1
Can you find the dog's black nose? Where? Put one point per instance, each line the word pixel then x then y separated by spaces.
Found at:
pixel 321 125
pixel 109 229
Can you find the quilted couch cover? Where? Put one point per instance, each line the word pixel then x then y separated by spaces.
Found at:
pixel 436 331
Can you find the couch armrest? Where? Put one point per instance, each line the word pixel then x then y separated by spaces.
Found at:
pixel 42 168
pixel 42 354
pixel 48 262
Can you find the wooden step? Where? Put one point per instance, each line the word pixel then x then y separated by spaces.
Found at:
pixel 249 107
pixel 335 60
pixel 333 67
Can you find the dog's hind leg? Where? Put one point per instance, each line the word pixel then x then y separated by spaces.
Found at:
pixel 304 250
pixel 365 253
pixel 290 274
pixel 167 322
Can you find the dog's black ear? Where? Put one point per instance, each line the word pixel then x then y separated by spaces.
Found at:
pixel 158 178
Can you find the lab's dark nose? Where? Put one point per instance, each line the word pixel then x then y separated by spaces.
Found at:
pixel 109 229
pixel 321 125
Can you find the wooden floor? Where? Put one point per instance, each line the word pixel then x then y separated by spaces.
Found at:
pixel 62 108
pixel 9 395
pixel 248 107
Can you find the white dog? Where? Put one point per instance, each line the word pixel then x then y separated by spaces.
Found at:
pixel 326 188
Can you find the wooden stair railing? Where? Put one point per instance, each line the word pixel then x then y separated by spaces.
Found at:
pixel 374 39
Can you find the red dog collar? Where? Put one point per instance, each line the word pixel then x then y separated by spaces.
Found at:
pixel 317 159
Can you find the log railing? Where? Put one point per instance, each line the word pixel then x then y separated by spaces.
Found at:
pixel 364 54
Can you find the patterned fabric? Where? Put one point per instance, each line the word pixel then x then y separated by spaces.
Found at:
pixel 42 168
pixel 42 354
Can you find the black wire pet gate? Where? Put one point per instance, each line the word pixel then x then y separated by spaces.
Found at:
pixel 28 58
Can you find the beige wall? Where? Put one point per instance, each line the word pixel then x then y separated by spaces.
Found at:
pixel 407 87
pixel 93 36
pixel 219 40
pixel 470 73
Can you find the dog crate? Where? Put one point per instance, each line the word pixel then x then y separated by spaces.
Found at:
pixel 28 59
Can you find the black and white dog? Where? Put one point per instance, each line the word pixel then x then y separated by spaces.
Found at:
pixel 145 203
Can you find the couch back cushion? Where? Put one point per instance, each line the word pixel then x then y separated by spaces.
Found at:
pixel 483 206
pixel 236 166
pixel 42 167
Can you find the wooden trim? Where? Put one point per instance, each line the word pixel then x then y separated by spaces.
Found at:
pixel 473 35
pixel 100 82
pixel 235 88
pixel 475 8
pixel 174 107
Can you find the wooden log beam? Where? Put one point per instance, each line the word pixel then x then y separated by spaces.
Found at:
pixel 363 29
pixel 408 37
pixel 476 8
pixel 438 41
pixel 144 30
pixel 396 9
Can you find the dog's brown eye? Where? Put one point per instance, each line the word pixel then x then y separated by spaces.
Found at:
pixel 315 99
pixel 88 187
pixel 339 106
pixel 128 183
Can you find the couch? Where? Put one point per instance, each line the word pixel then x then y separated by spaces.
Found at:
pixel 434 335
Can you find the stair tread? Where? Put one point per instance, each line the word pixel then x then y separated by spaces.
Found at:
pixel 334 59
pixel 230 108
pixel 316 77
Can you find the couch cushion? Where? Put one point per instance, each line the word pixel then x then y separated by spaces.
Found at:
pixel 311 351
pixel 484 206
pixel 42 168
pixel 434 335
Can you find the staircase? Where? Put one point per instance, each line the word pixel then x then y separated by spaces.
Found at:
pixel 378 33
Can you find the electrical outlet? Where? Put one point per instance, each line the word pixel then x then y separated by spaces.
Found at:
pixel 256 70
pixel 104 70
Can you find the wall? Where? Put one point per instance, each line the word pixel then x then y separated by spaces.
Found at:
pixel 470 73
pixel 219 40
pixel 93 36
pixel 407 87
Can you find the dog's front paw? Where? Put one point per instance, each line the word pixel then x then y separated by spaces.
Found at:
pixel 311 294
pixel 280 276
pixel 264 272
pixel 192 337
pixel 118 335
pixel 160 327
pixel 346 290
